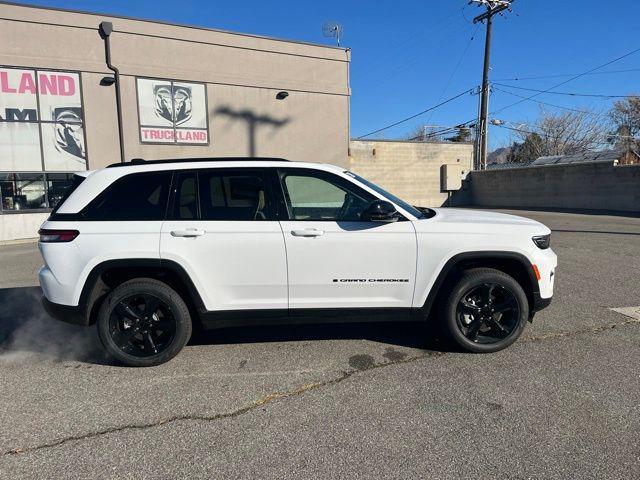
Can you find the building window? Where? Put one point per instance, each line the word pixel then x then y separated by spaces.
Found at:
pixel 32 191
pixel 172 112
pixel 22 191
pixel 57 185
pixel 42 129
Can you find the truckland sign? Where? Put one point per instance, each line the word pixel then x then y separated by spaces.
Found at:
pixel 172 112
pixel 41 121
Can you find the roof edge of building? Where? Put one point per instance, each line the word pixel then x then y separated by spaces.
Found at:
pixel 381 140
pixel 172 24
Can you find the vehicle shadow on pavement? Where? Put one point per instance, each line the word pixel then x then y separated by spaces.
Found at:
pixel 402 334
pixel 28 333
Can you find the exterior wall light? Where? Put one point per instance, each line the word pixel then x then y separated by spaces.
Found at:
pixel 107 81
pixel 282 95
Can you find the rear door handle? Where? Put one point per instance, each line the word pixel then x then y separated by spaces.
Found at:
pixel 307 232
pixel 188 233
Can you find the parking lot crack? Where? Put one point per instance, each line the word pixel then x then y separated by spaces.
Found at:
pixel 299 390
pixel 264 400
pixel 570 333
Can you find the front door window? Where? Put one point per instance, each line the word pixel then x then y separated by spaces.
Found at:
pixel 323 197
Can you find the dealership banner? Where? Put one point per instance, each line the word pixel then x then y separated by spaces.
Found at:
pixel 41 121
pixel 172 112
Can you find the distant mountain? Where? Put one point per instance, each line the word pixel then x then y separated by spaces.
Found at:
pixel 499 155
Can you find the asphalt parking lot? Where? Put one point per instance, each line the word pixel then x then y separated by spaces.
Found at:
pixel 339 401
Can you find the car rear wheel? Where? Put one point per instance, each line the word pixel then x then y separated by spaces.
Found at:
pixel 144 322
pixel 486 311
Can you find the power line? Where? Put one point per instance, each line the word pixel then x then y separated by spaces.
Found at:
pixel 533 129
pixel 550 104
pixel 445 130
pixel 547 135
pixel 561 75
pixel 570 80
pixel 457 67
pixel 572 94
pixel 393 57
pixel 416 115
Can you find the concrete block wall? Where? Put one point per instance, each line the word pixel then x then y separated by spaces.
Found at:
pixel 586 186
pixel 410 170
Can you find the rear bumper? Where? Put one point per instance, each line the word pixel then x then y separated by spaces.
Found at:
pixel 65 313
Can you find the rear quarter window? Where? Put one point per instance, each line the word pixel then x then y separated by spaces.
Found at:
pixel 138 196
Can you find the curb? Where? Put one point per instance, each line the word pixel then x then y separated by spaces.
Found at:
pixel 19 241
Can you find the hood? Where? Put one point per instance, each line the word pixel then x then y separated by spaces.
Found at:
pixel 459 215
pixel 478 220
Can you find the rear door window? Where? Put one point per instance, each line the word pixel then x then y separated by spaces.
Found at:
pixel 223 194
pixel 138 196
pixel 239 194
pixel 185 204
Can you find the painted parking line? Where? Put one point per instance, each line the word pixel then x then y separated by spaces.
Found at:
pixel 632 312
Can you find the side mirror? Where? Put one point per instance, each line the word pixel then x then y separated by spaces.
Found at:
pixel 380 211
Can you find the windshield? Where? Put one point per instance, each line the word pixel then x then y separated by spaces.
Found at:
pixel 404 205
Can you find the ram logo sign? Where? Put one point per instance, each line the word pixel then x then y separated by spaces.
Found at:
pixel 172 112
pixel 41 121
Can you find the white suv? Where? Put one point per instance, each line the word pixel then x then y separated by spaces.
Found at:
pixel 150 249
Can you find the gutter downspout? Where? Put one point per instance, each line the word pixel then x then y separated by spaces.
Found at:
pixel 105 30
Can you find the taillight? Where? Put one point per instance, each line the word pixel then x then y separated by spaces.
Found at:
pixel 57 236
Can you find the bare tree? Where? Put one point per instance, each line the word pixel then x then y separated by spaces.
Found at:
pixel 437 133
pixel 425 133
pixel 462 135
pixel 565 133
pixel 625 115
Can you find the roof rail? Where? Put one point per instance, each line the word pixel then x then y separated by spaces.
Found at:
pixel 141 161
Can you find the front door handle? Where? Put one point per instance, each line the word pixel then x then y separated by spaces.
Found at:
pixel 307 232
pixel 188 233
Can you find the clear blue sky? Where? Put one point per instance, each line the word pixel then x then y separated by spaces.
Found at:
pixel 404 52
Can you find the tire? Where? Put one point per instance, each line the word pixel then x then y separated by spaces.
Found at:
pixel 143 322
pixel 475 324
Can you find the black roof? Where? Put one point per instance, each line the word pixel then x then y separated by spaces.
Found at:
pixel 609 156
pixel 141 161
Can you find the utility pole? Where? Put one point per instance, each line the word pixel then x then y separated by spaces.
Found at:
pixel 493 7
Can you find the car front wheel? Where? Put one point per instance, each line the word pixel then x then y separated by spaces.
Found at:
pixel 143 322
pixel 486 311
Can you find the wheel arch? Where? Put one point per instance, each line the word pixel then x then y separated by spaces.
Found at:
pixel 514 264
pixel 105 276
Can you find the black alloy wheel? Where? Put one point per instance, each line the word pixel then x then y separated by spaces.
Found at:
pixel 486 310
pixel 488 313
pixel 142 325
pixel 144 322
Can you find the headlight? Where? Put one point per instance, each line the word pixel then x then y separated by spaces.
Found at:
pixel 542 241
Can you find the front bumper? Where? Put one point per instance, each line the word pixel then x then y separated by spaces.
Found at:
pixel 64 313
pixel 540 303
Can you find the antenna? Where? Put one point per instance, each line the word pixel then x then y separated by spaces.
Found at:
pixel 333 30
